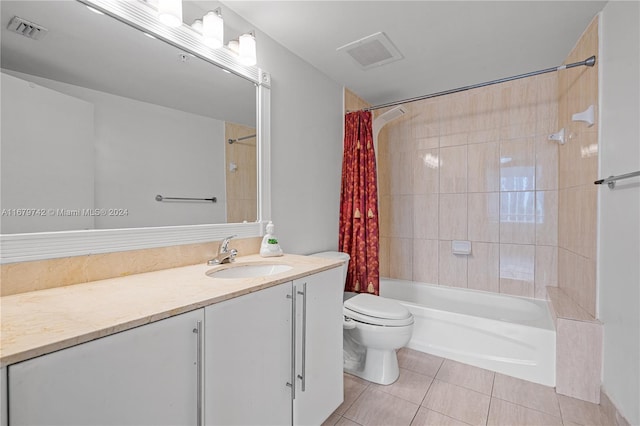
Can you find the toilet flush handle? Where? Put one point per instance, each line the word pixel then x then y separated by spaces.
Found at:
pixel 348 324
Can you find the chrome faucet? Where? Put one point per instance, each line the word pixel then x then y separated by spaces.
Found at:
pixel 225 255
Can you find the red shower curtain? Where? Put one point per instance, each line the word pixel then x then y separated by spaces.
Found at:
pixel 359 205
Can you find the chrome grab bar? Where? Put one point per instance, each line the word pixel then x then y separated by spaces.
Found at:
pixel 611 180
pixel 161 198
pixel 303 376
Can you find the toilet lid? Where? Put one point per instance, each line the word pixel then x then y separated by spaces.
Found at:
pixel 377 310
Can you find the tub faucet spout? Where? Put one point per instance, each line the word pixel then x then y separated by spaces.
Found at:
pixel 225 255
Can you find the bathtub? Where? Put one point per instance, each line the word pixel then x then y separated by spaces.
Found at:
pixel 507 334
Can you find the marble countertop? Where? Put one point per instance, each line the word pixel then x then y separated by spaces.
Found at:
pixel 40 322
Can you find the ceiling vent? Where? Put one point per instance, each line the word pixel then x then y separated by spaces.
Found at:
pixel 372 51
pixel 26 28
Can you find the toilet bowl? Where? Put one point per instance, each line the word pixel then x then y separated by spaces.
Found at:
pixel 374 327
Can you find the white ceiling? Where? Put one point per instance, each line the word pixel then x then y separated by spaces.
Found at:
pixel 445 44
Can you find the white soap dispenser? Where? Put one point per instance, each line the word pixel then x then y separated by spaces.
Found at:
pixel 270 246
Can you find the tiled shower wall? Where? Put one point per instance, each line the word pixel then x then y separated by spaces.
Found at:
pixel 474 166
pixel 241 182
pixel 578 165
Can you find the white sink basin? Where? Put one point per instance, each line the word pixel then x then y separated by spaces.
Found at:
pixel 249 271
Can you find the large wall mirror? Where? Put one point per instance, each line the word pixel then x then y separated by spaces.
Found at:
pixel 120 133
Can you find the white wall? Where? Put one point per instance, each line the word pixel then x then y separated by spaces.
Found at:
pixel 306 150
pixel 144 150
pixel 47 145
pixel 619 223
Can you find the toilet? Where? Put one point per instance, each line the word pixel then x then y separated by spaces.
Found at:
pixel 374 328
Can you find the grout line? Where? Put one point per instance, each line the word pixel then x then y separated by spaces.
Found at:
pixel 560 409
pixel 448 416
pixel 439 368
pixel 493 373
pixel 529 408
pixel 356 398
pixel 433 379
pixel 493 383
pixel 488 410
pixel 383 388
pixel 414 415
pixel 343 417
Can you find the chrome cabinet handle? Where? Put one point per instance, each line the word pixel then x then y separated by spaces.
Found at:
pixel 292 384
pixel 198 331
pixel 303 376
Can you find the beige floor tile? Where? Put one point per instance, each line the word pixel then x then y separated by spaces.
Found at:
pixel 353 388
pixel 427 417
pixel 580 412
pixel 528 394
pixel 375 407
pixel 346 422
pixel 332 419
pixel 467 376
pixel 419 362
pixel 410 386
pixel 460 403
pixel 503 413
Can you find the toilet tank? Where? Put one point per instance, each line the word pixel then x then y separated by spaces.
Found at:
pixel 336 255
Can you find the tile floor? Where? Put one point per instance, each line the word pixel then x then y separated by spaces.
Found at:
pixel 437 391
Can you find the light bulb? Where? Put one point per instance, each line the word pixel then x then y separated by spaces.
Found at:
pixel 247 49
pixel 213 29
pixel 170 12
pixel 234 46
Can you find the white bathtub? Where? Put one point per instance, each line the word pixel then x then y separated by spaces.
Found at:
pixel 507 334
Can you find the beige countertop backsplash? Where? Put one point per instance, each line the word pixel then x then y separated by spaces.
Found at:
pixel 42 274
pixel 42 321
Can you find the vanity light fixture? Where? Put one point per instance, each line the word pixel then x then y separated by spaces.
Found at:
pixel 170 12
pixel 213 29
pixel 247 49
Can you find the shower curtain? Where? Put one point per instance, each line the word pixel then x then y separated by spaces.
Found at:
pixel 359 234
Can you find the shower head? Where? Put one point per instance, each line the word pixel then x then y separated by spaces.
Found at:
pixel 380 121
pixel 390 115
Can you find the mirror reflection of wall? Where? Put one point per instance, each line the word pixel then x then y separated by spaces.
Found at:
pixel 97 123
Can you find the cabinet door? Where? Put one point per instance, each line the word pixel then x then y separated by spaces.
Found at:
pixel 143 376
pixel 248 359
pixel 318 347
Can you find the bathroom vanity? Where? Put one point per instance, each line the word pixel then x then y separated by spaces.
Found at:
pixel 178 347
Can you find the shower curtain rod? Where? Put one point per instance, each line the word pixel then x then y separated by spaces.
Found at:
pixel 589 62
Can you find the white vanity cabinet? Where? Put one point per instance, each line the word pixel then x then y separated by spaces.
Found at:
pixel 144 376
pixel 274 357
pixel 247 353
pixel 319 358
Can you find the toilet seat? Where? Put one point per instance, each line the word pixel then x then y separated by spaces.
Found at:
pixel 377 310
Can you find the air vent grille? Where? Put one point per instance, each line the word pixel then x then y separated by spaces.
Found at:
pixel 372 51
pixel 26 28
